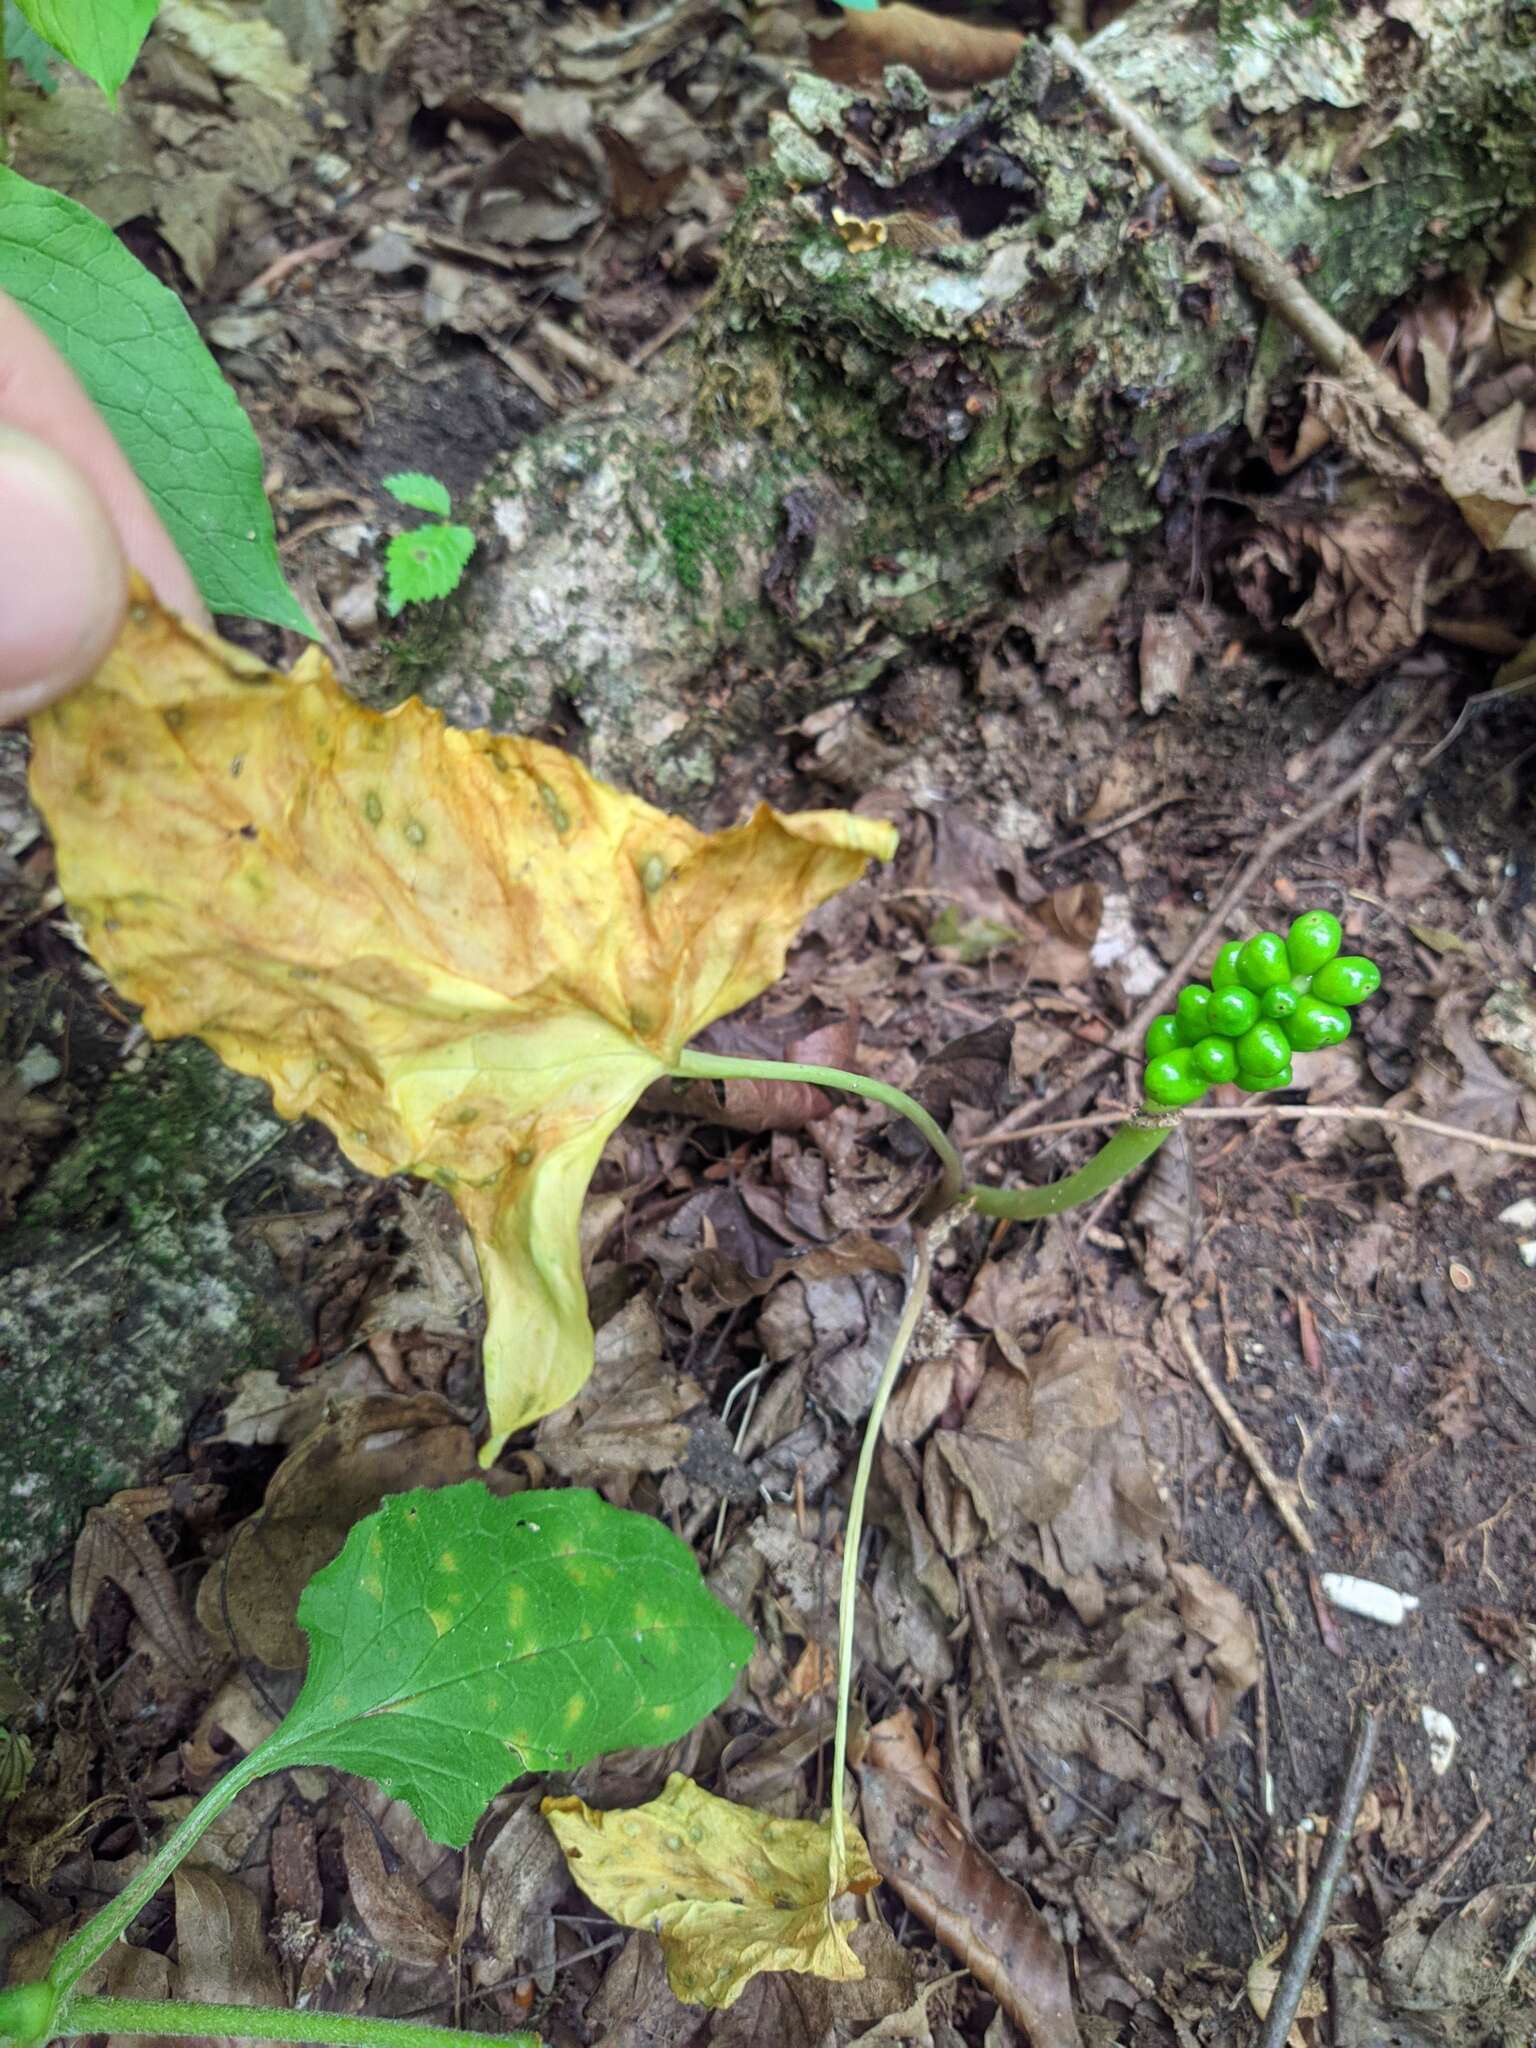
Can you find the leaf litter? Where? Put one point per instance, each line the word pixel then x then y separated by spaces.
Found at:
pixel 1134 1681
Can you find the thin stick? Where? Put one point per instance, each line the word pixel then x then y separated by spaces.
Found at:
pixel 1111 827
pixel 1292 1112
pixel 1463 1845
pixel 1309 1929
pixel 959 1783
pixel 1279 1493
pixel 848 1591
pixel 1020 1756
pixel 1265 271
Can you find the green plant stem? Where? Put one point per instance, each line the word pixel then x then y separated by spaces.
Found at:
pixel 98 1934
pixel 917 1297
pixel 1131 1146
pixel 149 2016
pixel 709 1066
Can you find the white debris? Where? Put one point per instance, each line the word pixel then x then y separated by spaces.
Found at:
pixel 1441 1730
pixel 1365 1596
pixel 1119 945
pixel 1520 1215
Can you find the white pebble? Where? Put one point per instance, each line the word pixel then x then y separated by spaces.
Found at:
pixel 1366 1597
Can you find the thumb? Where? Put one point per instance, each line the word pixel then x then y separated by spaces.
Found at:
pixel 63 581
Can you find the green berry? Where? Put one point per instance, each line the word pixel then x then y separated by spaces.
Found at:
pixel 1263 962
pixel 1347 981
pixel 1313 939
pixel 1215 1059
pixel 1316 1024
pixel 1163 1035
pixel 1279 1003
pixel 1193 1011
pixel 1234 1010
pixel 1171 1080
pixel 1224 973
pixel 1255 1084
pixel 1263 1050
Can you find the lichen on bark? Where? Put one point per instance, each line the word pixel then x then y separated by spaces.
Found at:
pixel 955 336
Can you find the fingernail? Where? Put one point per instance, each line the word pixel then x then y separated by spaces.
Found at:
pixel 63 584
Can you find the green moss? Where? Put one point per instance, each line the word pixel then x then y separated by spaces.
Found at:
pixel 126 1292
pixel 699 525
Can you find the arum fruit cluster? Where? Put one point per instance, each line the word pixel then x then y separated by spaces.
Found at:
pixel 1267 998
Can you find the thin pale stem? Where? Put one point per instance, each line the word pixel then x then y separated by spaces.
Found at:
pixel 1131 1146
pixel 709 1066
pixel 98 1934
pixel 148 2016
pixel 5 93
pixel 917 1296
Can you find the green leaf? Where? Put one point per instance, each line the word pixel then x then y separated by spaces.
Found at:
pixel 27 48
pixel 102 37
pixel 132 346
pixel 462 1639
pixel 425 563
pixel 421 493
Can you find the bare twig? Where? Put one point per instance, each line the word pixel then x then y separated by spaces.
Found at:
pixel 1110 827
pixel 1338 1112
pixel 1308 1931
pixel 1463 1846
pixel 1279 1493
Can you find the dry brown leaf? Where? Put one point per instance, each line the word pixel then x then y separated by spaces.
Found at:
pixel 380 1444
pixel 625 1419
pixel 1468 1088
pixel 522 1875
pixel 117 1547
pixel 954 1887
pixel 222 1956
pixel 403 1923
pixel 1050 1448
pixel 1214 1612
pixel 944 52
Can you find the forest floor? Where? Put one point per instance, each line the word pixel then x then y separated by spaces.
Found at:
pixel 1115 1656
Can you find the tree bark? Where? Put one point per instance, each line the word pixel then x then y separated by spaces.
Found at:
pixel 941 341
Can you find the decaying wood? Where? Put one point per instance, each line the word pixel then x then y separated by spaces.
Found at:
pixel 943 340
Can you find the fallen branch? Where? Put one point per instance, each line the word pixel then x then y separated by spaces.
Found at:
pixel 1274 1486
pixel 1309 1929
pixel 1291 1112
pixel 1270 277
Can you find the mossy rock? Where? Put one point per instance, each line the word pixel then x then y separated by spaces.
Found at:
pixel 128 1290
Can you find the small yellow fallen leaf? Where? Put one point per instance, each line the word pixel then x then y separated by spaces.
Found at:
pixel 459 951
pixel 730 1892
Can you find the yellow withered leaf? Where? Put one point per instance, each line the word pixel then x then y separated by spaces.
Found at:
pixel 460 951
pixel 729 1891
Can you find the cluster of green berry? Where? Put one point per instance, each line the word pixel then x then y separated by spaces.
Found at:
pixel 1268 997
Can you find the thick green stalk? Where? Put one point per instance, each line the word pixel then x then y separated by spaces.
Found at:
pixel 917 1298
pixel 150 2016
pixel 709 1066
pixel 1131 1146
pixel 98 1934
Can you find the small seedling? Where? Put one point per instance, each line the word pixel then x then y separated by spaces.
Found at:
pixel 459 1641
pixel 426 562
